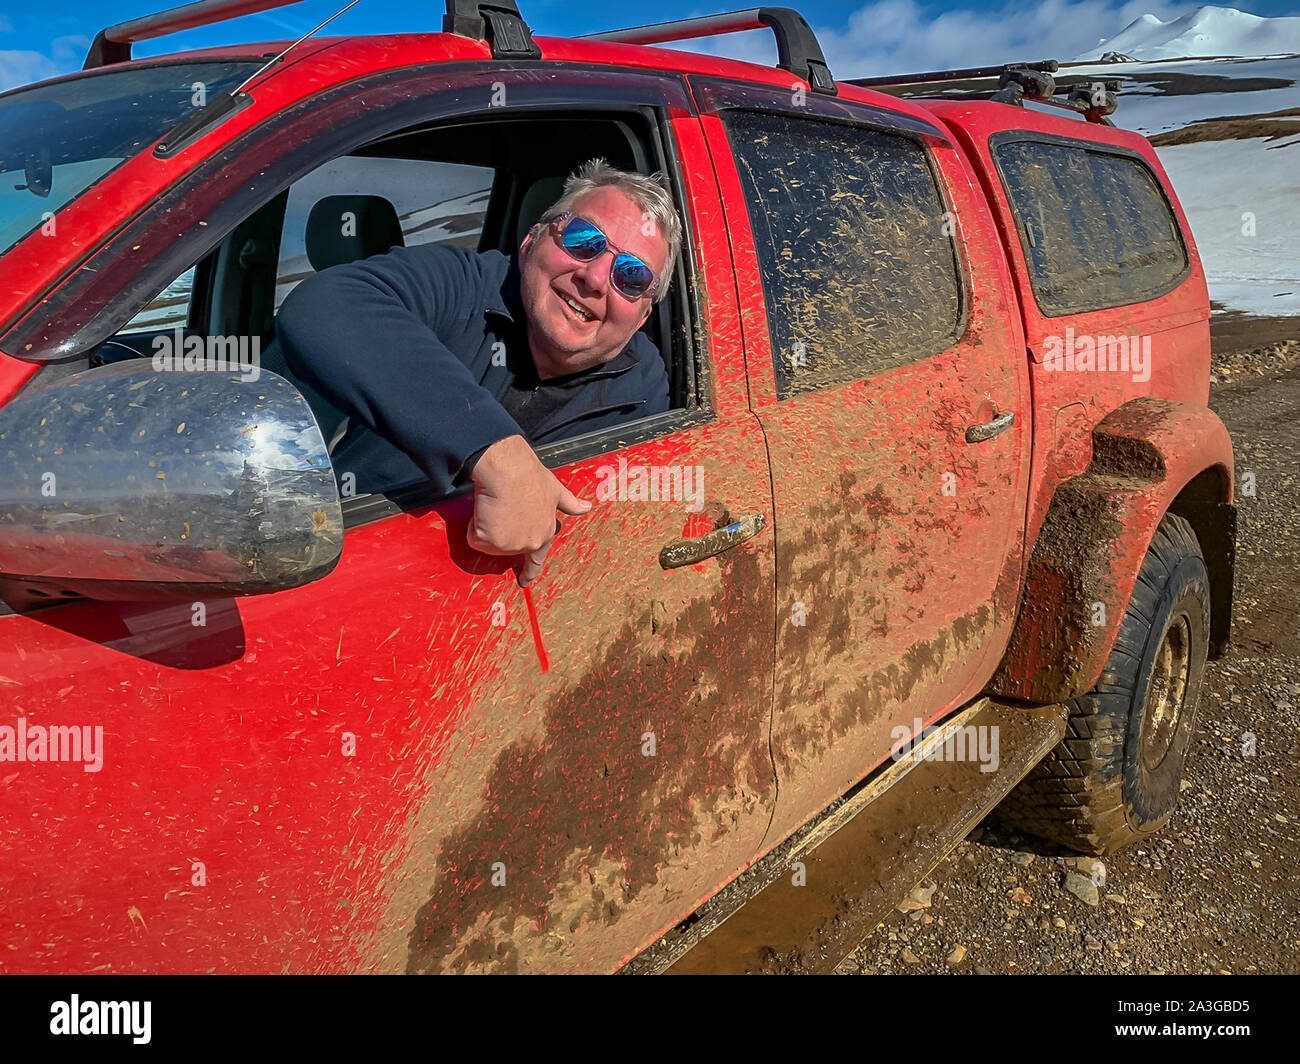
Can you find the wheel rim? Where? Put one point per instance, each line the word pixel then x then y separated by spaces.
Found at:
pixel 1166 692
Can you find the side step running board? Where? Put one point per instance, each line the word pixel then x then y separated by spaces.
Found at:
pixel 871 851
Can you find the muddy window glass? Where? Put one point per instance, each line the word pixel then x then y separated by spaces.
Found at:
pixel 1096 228
pixel 859 270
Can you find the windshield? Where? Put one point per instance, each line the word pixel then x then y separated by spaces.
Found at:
pixel 57 140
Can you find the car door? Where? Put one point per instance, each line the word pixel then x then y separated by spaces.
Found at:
pixel 894 406
pixel 406 766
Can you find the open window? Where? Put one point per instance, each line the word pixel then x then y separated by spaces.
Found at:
pixel 477 181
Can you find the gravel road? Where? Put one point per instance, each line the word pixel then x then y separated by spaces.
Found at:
pixel 1217 891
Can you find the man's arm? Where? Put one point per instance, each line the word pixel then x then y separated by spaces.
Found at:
pixel 364 336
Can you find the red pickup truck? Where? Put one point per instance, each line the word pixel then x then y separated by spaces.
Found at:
pixel 939 455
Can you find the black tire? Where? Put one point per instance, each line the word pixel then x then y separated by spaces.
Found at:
pixel 1115 776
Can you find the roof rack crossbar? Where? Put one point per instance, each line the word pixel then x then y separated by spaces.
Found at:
pixel 1045 66
pixel 1084 108
pixel 798 50
pixel 1092 98
pixel 113 45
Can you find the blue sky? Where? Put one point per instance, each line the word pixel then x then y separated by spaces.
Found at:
pixel 860 36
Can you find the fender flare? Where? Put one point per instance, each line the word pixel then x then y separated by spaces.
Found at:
pixel 1150 457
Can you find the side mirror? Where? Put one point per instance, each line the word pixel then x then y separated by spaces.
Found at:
pixel 130 483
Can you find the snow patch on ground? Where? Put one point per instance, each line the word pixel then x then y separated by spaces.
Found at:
pixel 1221 183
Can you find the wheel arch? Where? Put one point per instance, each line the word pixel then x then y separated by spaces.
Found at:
pixel 1150 457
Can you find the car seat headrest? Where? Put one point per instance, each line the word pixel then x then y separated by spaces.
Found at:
pixel 346 228
pixel 543 192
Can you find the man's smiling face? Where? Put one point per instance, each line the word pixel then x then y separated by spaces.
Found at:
pixel 565 338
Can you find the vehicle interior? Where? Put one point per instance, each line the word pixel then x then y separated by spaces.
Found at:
pixel 235 289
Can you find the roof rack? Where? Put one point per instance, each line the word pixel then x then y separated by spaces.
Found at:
pixel 1017 82
pixel 797 48
pixel 496 21
pixel 113 45
pixel 1045 66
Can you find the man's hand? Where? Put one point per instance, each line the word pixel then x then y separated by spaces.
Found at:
pixel 515 499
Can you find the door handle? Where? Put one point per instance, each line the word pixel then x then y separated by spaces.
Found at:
pixel 988 429
pixel 689 551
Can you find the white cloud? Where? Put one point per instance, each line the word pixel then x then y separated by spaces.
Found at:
pixel 22 67
pixel 66 54
pixel 70 49
pixel 896 36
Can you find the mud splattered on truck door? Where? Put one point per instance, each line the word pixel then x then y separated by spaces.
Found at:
pixel 897 563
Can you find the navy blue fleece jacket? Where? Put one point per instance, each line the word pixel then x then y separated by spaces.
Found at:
pixel 403 344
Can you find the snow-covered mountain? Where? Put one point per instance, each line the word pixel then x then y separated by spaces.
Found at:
pixel 1206 31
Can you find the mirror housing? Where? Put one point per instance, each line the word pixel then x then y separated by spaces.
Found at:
pixel 130 483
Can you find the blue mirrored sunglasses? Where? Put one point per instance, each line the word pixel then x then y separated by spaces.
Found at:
pixel 629 276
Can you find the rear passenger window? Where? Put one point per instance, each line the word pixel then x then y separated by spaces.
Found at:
pixel 858 264
pixel 1096 228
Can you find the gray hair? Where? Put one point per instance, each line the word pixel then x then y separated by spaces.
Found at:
pixel 649 192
